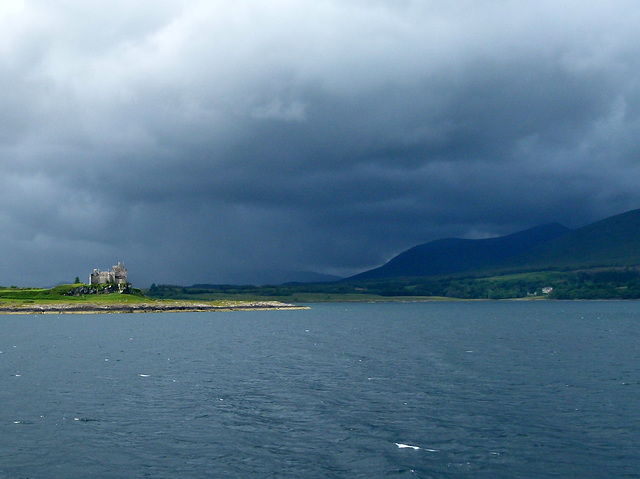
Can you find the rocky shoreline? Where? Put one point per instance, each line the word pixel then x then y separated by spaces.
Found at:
pixel 151 307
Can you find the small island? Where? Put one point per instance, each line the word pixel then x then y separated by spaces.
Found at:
pixel 110 292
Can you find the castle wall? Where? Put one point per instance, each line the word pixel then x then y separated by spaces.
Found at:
pixel 117 275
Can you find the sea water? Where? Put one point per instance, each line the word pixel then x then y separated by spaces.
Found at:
pixel 468 389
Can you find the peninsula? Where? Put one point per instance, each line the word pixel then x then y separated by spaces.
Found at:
pixel 141 307
pixel 113 298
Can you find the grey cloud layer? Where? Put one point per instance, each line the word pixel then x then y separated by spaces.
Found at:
pixel 216 141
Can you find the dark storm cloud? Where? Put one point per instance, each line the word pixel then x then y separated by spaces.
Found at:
pixel 227 141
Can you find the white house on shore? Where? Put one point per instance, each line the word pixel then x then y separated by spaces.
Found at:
pixel 117 275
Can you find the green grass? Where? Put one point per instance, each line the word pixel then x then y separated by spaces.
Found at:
pixel 56 295
pixel 29 297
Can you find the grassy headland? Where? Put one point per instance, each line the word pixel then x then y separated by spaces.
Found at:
pixel 78 298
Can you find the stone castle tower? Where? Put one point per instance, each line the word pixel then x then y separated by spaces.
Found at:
pixel 117 275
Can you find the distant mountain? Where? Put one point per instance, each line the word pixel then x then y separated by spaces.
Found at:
pixel 456 255
pixel 611 242
pixel 614 241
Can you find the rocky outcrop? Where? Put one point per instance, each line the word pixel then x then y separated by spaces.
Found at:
pixel 84 289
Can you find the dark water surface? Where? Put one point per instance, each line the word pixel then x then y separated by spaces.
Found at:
pixel 481 389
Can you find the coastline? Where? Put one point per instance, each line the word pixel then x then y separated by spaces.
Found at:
pixel 145 307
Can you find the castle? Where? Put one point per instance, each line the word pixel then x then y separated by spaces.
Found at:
pixel 117 275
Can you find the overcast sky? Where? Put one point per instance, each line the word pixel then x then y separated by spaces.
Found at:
pixel 233 141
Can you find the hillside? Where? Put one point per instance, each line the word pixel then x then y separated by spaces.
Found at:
pixel 455 255
pixel 612 242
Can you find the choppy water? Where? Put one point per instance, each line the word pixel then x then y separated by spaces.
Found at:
pixel 486 389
